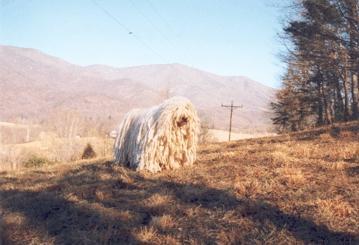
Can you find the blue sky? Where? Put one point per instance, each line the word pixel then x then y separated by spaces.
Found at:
pixel 226 37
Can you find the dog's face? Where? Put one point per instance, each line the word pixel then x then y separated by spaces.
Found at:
pixel 183 121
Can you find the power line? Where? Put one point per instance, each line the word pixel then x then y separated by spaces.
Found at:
pixel 155 10
pixel 152 24
pixel 129 31
pixel 112 17
pixel 163 36
pixel 142 42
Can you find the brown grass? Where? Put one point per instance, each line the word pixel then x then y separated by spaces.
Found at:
pixel 298 189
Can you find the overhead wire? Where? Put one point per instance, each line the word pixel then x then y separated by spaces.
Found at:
pixel 157 12
pixel 139 39
pixel 130 32
pixel 152 24
pixel 163 19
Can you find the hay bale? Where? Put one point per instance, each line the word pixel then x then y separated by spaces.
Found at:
pixel 162 137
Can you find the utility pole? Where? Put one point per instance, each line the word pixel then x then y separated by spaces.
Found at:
pixel 230 118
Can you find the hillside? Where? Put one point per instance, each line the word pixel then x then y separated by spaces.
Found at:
pixel 300 188
pixel 34 84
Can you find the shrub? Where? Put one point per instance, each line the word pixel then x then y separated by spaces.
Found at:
pixel 88 152
pixel 205 135
pixel 35 161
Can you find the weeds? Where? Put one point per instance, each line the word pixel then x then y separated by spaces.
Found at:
pixel 34 161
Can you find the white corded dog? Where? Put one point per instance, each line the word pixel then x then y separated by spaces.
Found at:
pixel 161 137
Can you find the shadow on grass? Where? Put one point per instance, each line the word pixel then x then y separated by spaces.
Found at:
pixel 51 213
pixel 66 222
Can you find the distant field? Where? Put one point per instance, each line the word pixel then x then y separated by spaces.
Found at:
pixel 51 149
pixel 299 189
pixel 222 135
pixel 13 125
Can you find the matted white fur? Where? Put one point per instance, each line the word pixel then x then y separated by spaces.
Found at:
pixel 162 137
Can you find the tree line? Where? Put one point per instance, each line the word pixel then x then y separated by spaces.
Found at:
pixel 320 84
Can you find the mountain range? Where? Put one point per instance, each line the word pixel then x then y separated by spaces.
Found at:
pixel 34 84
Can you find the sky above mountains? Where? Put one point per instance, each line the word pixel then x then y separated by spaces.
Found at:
pixel 226 37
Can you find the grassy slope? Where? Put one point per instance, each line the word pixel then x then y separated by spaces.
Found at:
pixel 292 189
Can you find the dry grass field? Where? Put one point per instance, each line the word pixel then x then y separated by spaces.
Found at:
pixel 298 189
pixel 217 135
pixel 50 150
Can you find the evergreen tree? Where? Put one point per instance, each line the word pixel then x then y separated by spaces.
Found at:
pixel 320 86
